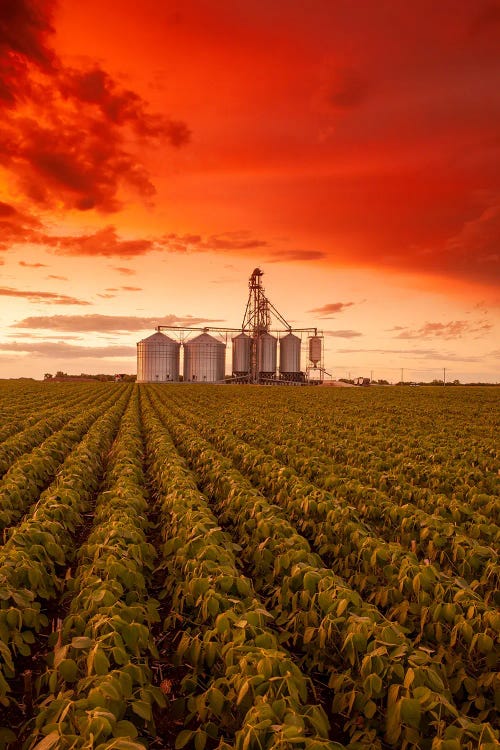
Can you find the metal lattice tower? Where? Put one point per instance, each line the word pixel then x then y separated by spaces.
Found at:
pixel 257 319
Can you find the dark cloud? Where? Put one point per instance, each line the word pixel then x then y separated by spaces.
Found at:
pixel 109 323
pixel 25 30
pixel 17 227
pixel 68 351
pixel 73 159
pixel 331 308
pixel 25 264
pixel 454 329
pixel 70 137
pixel 120 106
pixel 46 297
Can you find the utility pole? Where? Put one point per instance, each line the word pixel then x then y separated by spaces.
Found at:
pixel 444 375
pixel 371 376
pixel 402 372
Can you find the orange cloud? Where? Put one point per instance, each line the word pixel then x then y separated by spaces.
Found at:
pixel 108 323
pixel 46 297
pixel 453 330
pixel 331 308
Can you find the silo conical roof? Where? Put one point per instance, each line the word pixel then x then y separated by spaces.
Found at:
pixel 157 338
pixel 204 338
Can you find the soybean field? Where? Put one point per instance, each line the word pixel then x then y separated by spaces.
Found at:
pixel 257 568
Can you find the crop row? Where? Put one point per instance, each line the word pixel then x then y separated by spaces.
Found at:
pixel 23 405
pixel 374 669
pixel 18 414
pixel 395 506
pixel 386 439
pixel 389 575
pixel 393 577
pixel 242 689
pixel 99 682
pixel 46 422
pixel 467 551
pixel 451 553
pixel 33 471
pixel 34 560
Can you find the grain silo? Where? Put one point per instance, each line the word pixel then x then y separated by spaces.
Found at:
pixel 204 359
pixel 289 357
pixel 158 359
pixel 266 354
pixel 241 354
pixel 315 350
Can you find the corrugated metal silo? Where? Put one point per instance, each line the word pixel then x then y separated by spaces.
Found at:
pixel 158 359
pixel 241 354
pixel 315 350
pixel 266 354
pixel 289 355
pixel 204 359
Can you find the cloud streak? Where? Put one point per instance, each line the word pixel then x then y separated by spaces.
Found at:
pixel 25 264
pixel 108 323
pixel 436 355
pixel 348 334
pixel 124 270
pixel 66 351
pixel 52 298
pixel 454 329
pixel 332 308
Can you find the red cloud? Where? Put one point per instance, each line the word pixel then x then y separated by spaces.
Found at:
pixel 25 29
pixel 16 226
pixel 120 106
pixel 104 242
pixel 73 136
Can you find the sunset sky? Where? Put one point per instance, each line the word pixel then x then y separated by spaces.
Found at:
pixel 153 153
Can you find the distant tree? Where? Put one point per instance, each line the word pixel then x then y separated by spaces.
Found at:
pixel 47 376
